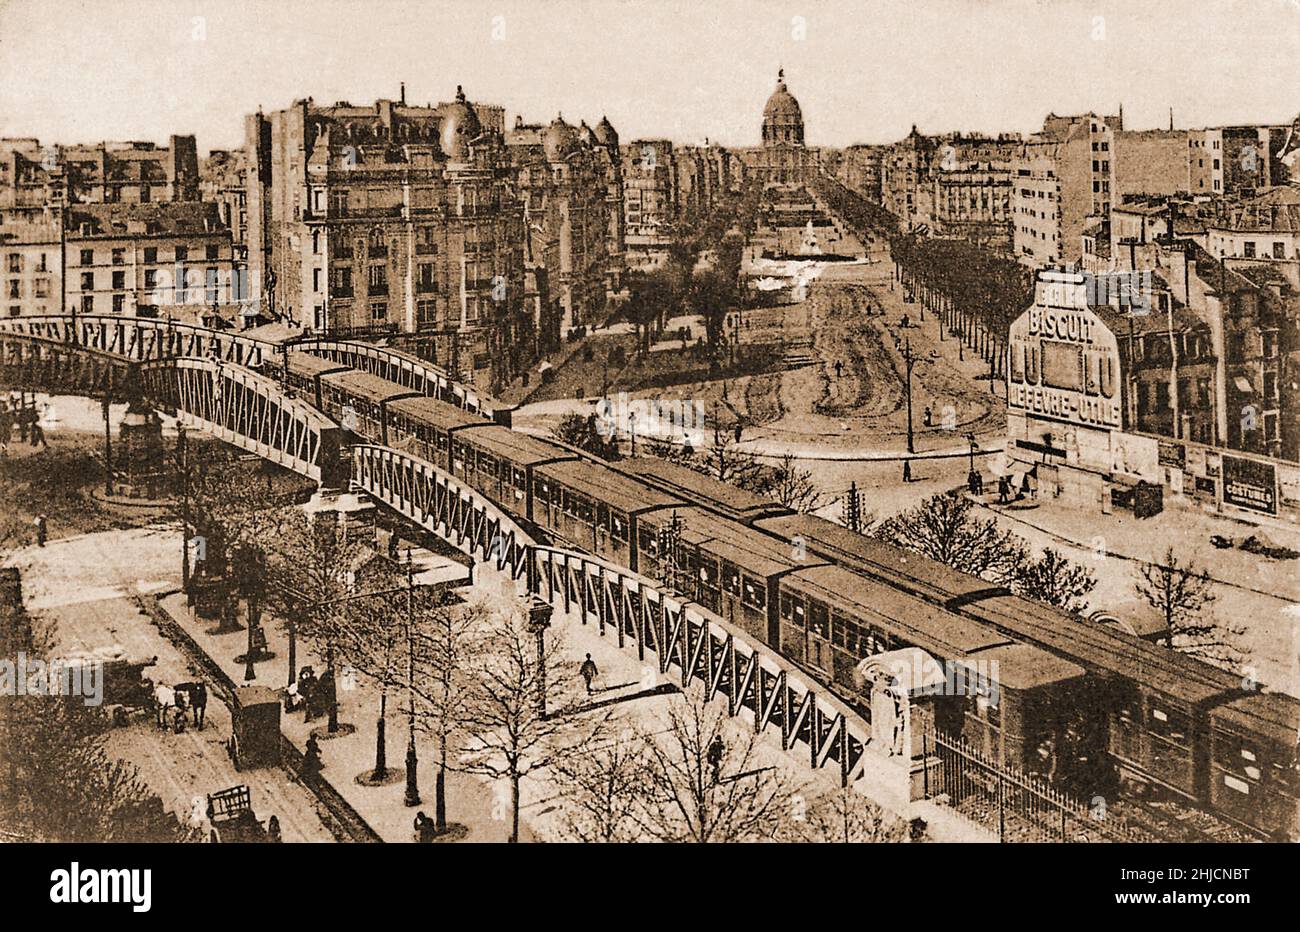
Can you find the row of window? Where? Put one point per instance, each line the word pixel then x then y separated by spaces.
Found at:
pixel 211 252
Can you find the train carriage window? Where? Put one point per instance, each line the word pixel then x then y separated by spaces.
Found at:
pixel 820 618
pixel 753 593
pixel 581 507
pixel 839 628
pixel 800 616
pixel 487 465
pixel 877 642
pixel 618 525
pixel 520 478
pixel 730 578
pixel 649 540
pixel 1168 723
pixel 708 573
pixel 787 606
pixel 543 492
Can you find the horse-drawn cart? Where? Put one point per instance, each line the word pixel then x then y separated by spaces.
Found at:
pixel 126 689
pixel 255 728
pixel 230 818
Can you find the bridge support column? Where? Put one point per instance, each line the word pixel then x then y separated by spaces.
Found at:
pixel 139 459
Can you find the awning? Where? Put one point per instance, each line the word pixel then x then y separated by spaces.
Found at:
pixel 1243 385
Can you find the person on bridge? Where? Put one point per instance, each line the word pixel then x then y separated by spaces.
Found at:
pixel 589 672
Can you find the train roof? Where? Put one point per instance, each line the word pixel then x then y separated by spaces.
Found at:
pixel 1024 666
pixel 897 565
pixel 1177 675
pixel 730 540
pixel 301 363
pixel 701 489
pixel 603 484
pixel 438 413
pixel 368 386
pixel 937 630
pixel 1276 716
pixel 520 449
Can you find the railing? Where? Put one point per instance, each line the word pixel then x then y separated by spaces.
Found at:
pixel 1017 806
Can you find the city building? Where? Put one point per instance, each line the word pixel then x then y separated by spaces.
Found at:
pixel 31 263
pixel 649 199
pixel 1264 228
pixel 396 219
pixel 1062 177
pixel 567 177
pixel 221 181
pixel 148 260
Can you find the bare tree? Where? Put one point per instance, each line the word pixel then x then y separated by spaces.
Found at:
pixel 1181 594
pixel 841 816
pixel 309 570
pixel 705 786
pixel 448 639
pixel 62 785
pixel 793 487
pixel 1055 580
pixel 604 791
pixel 943 528
pixel 524 711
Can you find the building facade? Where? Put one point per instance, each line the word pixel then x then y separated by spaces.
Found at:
pixel 392 218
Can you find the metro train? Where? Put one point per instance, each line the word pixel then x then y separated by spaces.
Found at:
pixel 1086 704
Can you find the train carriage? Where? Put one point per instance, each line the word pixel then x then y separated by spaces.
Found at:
pixel 830 618
pixel 501 463
pixel 729 569
pixel 699 489
pixel 303 377
pixel 901 568
pixel 357 401
pixel 425 427
pixel 1144 705
pixel 593 507
pixel 1254 763
pixel 1019 704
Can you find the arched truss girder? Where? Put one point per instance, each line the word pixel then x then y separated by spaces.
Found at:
pixel 44 364
pixel 406 370
pixel 249 411
pixel 687 640
pixel 144 338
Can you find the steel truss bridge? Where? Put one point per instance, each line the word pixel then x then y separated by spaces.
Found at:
pixel 204 376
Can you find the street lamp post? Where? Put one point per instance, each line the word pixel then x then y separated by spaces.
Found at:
pixel 539 619
pixel 909 360
pixel 412 796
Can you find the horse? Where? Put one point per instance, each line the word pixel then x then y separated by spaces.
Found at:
pixel 196 696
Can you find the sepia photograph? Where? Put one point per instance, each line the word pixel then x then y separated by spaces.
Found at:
pixel 586 422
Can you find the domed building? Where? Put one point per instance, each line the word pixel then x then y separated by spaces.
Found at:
pixel 783 159
pixel 782 118
pixel 459 127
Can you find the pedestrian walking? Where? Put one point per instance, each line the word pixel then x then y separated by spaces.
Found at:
pixel 714 756
pixel 6 426
pixel 1004 489
pixel 311 762
pixel 589 672
pixel 839 366
pixel 41 530
pixel 927 417
pixel 273 830
pixel 907 470
pixel 38 436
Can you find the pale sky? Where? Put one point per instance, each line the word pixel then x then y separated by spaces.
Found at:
pixel 863 70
